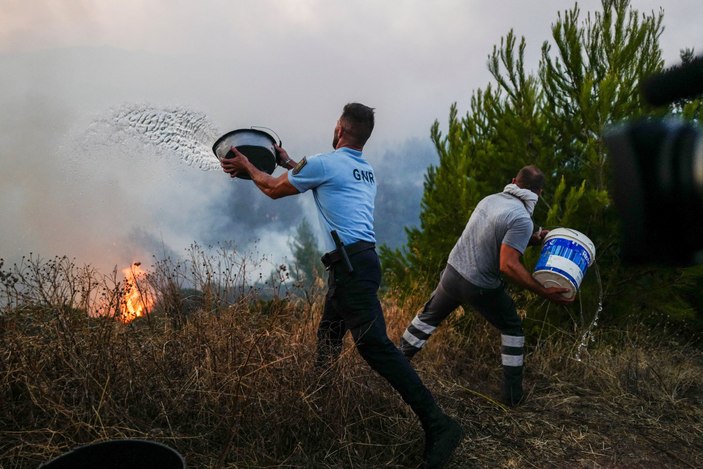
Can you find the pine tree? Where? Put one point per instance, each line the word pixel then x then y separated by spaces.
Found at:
pixel 306 265
pixel 587 78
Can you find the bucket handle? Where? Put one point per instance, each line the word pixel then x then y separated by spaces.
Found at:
pixel 259 127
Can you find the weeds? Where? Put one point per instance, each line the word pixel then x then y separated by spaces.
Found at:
pixel 223 373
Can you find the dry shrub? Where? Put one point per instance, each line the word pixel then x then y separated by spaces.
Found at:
pixel 232 384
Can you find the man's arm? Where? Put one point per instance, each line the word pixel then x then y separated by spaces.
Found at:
pixel 274 187
pixel 511 267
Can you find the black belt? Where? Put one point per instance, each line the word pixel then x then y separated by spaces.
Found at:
pixel 335 256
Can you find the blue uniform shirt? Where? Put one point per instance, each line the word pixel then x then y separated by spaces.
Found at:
pixel 344 188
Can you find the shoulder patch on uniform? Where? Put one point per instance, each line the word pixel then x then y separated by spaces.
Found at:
pixel 300 165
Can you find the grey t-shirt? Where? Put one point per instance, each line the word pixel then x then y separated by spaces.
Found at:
pixel 497 219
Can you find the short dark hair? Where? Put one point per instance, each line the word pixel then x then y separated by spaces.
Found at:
pixel 530 177
pixel 357 121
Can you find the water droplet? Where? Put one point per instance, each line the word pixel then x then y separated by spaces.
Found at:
pixel 588 336
pixel 175 132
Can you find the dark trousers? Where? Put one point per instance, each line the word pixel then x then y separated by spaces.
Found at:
pixel 453 291
pixel 492 303
pixel 352 305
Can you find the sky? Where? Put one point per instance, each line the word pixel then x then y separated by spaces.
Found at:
pixel 289 65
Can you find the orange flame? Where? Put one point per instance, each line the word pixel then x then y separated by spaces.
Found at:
pixel 137 301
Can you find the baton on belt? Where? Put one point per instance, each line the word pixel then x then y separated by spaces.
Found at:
pixel 342 250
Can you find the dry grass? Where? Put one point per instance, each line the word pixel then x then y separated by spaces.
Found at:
pixel 232 385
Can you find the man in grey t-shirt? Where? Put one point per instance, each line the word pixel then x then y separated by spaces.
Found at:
pixel 495 238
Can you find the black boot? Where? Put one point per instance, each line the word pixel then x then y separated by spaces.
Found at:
pixel 442 436
pixel 408 350
pixel 512 394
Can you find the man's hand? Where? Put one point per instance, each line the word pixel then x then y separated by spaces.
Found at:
pixel 239 164
pixel 274 187
pixel 556 295
pixel 282 158
pixel 538 237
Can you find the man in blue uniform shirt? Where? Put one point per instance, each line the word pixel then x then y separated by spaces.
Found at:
pixel 344 187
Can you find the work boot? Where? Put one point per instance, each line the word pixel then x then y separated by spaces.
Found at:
pixel 408 350
pixel 442 436
pixel 512 394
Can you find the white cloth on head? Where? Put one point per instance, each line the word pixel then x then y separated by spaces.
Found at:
pixel 528 197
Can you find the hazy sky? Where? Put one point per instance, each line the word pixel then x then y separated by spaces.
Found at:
pixel 289 65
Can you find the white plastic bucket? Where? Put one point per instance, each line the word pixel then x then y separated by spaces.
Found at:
pixel 566 255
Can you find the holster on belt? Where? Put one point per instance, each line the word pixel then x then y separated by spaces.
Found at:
pixel 343 253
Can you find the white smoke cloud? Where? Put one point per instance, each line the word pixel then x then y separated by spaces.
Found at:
pixel 288 65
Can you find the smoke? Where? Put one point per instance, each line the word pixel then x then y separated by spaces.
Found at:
pixel 33 183
pixel 236 210
pixel 76 181
pixel 119 198
pixel 112 198
pixel 168 200
pixel 400 172
pixel 110 195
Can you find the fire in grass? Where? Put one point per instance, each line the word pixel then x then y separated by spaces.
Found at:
pixel 138 299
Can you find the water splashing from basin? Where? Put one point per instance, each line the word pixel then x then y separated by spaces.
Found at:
pixel 173 132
